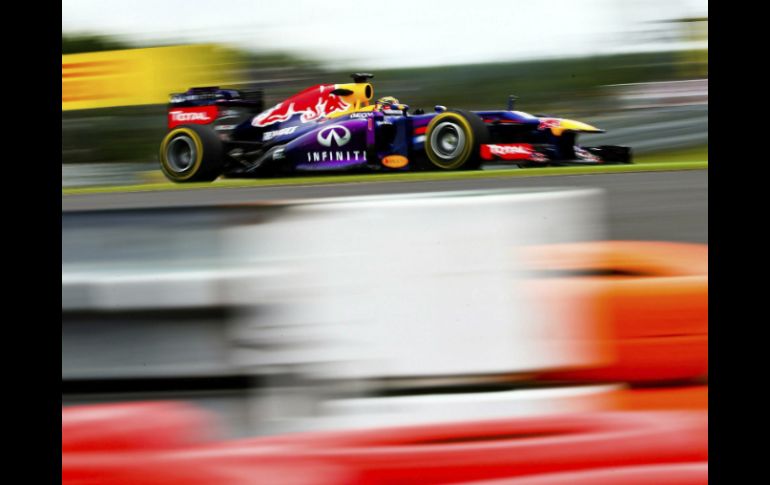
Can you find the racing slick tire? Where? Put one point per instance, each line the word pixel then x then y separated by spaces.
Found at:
pixel 453 138
pixel 191 153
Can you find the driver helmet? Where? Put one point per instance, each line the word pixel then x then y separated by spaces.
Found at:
pixel 387 101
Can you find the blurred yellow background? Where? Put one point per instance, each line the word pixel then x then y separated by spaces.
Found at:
pixel 141 76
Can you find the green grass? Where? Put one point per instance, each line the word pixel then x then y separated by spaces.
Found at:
pixel 674 161
pixel 686 155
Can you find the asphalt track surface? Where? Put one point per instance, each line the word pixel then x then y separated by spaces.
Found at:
pixel 663 206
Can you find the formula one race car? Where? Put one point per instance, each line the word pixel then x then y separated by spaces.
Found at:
pixel 334 127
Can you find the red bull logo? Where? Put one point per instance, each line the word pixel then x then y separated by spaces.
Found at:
pixel 546 123
pixel 313 103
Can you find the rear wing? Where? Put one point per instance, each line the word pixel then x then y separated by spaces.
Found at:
pixel 206 105
pixel 207 96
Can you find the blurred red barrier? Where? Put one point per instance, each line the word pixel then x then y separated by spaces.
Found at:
pixel 676 474
pixel 447 453
pixel 649 298
pixel 199 467
pixel 153 443
pixel 134 426
pixel 451 453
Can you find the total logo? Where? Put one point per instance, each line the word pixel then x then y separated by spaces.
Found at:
pixel 201 115
pixel 332 135
pixel 509 150
pixel 190 116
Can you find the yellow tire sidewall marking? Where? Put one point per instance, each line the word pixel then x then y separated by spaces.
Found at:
pixel 462 158
pixel 198 153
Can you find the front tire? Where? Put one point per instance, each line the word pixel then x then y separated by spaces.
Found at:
pixel 452 140
pixel 191 153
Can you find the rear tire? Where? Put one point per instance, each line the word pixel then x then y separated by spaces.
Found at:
pixel 191 153
pixel 453 138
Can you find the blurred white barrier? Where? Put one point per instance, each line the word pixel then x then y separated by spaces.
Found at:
pixel 441 408
pixel 153 290
pixel 160 289
pixel 657 94
pixel 412 286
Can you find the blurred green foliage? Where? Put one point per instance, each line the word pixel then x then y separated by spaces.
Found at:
pixel 575 84
pixel 78 43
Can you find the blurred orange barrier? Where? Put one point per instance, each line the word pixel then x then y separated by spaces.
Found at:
pixel 676 398
pixel 134 426
pixel 676 474
pixel 650 301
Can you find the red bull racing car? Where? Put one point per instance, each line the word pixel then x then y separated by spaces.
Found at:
pixel 217 132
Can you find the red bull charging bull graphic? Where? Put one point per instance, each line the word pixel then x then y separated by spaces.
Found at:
pixel 313 104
